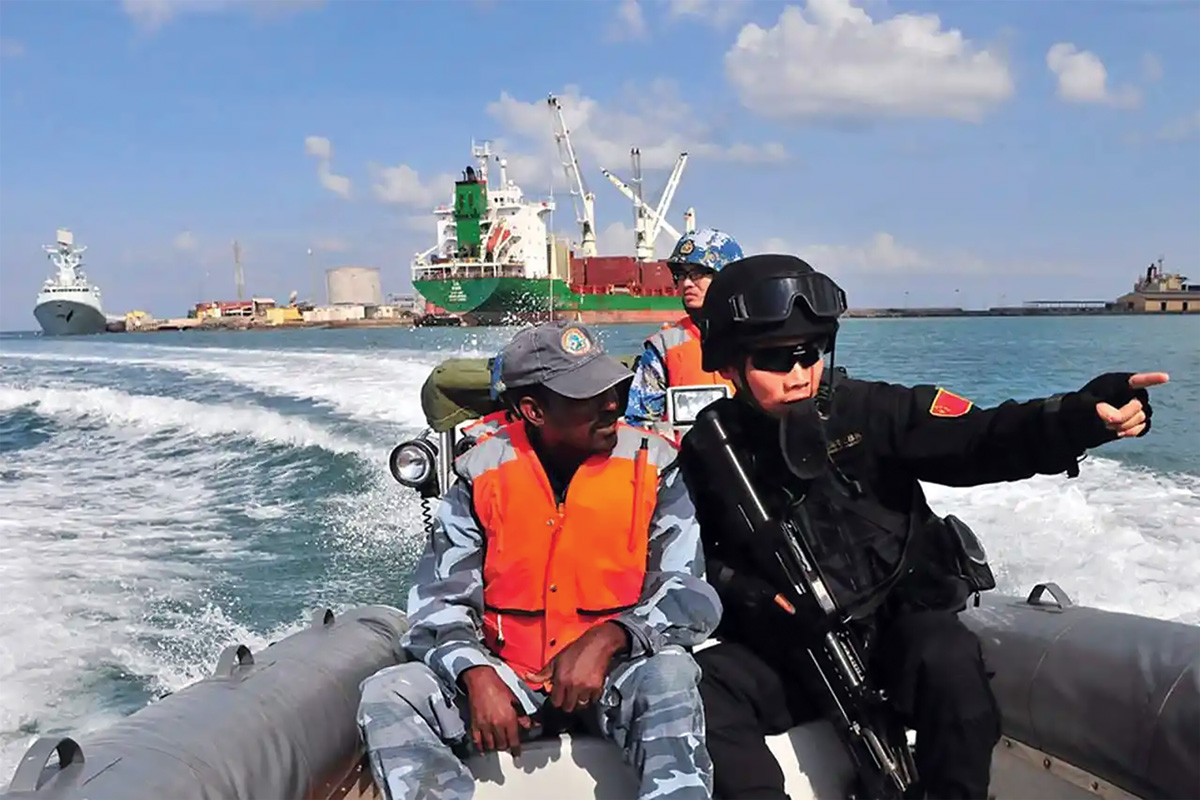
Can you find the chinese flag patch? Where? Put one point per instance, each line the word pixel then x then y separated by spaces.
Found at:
pixel 948 404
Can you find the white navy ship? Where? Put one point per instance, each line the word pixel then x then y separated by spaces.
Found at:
pixel 68 304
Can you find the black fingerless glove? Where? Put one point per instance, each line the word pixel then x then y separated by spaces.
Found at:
pixel 749 591
pixel 1077 411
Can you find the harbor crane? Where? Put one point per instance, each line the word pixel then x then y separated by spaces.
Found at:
pixel 649 222
pixel 641 224
pixel 586 216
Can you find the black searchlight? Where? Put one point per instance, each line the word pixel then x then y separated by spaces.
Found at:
pixel 412 463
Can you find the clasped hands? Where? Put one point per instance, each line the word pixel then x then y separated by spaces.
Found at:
pixel 575 677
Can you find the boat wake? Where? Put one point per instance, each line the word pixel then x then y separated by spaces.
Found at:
pixel 158 503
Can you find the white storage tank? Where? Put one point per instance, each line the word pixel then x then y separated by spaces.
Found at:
pixel 353 286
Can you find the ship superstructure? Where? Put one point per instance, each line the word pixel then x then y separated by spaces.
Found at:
pixel 488 231
pixel 68 303
pixel 493 247
pixel 1158 291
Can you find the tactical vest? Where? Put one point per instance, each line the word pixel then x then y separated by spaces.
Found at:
pixel 679 344
pixel 551 570
pixel 860 545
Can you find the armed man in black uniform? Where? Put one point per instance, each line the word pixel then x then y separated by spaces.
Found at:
pixel 841 458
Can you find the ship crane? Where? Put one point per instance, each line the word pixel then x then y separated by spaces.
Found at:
pixel 586 215
pixel 643 214
pixel 643 250
pixel 639 204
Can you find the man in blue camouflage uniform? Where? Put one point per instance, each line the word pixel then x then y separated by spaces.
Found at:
pixel 416 716
pixel 695 259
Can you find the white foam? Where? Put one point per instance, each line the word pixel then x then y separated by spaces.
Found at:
pixel 80 560
pixel 110 520
pixel 1116 537
pixel 154 413
pixel 383 386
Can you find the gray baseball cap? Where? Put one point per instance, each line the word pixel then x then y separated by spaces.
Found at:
pixel 563 356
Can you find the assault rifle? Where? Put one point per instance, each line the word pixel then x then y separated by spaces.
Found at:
pixel 833 663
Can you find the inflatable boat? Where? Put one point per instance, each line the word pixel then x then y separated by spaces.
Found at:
pixel 1094 704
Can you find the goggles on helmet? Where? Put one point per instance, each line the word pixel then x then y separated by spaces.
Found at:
pixel 772 300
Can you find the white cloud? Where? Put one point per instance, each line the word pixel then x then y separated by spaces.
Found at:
pixel 718 14
pixel 1182 129
pixel 321 149
pixel 1082 78
pixel 881 254
pixel 831 59
pixel 402 185
pixel 318 147
pixel 630 22
pixel 338 184
pixel 653 117
pixel 185 242
pixel 1152 68
pixel 11 48
pixel 150 15
pixel 884 256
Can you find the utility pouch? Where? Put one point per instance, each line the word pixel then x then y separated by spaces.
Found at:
pixel 969 554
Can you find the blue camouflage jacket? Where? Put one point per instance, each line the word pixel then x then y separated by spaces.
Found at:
pixel 647 402
pixel 445 603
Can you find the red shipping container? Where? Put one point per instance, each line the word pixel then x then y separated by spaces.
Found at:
pixel 611 270
pixel 656 278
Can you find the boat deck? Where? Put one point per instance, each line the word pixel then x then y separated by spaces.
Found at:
pixel 566 767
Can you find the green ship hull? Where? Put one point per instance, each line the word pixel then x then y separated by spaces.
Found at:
pixel 505 301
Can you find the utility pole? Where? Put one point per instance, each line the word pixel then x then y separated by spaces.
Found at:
pixel 238 278
pixel 316 301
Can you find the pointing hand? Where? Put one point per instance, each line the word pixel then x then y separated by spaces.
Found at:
pixel 1132 418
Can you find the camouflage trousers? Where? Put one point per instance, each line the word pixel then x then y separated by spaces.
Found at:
pixel 650 708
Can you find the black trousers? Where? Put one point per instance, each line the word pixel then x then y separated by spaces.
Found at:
pixel 932 668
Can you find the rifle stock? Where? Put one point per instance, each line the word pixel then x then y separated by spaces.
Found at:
pixel 834 666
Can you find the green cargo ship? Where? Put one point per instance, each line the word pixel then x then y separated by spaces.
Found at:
pixel 510 300
pixel 495 264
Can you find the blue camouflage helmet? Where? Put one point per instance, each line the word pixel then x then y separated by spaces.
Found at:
pixel 707 247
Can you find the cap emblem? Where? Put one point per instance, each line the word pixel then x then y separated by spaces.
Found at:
pixel 575 342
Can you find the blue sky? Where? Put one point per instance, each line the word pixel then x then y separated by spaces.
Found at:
pixel 976 151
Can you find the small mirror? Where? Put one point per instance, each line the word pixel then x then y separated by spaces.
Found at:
pixel 684 403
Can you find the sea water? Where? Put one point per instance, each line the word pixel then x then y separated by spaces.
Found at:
pixel 164 495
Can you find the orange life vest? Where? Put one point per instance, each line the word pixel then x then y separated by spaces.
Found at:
pixel 680 347
pixel 552 571
pixel 486 426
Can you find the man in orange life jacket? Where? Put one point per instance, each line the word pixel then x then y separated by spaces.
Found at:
pixel 672 355
pixel 563 582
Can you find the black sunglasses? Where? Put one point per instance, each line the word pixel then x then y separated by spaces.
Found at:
pixel 784 358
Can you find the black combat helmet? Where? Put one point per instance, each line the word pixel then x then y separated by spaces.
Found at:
pixel 765 297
